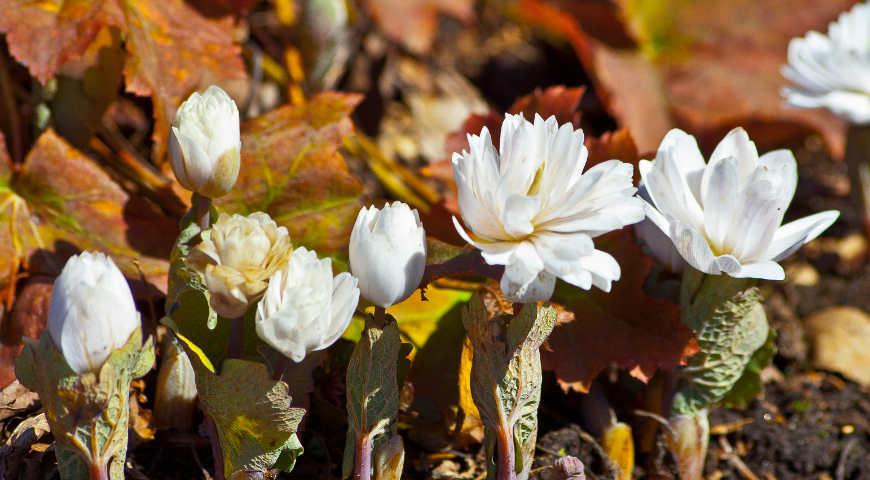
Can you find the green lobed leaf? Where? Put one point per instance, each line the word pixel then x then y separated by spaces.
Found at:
pixel 728 319
pixel 255 424
pixel 749 385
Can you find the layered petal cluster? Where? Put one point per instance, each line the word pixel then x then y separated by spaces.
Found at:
pixel 236 258
pixel 725 216
pixel 305 308
pixel 91 312
pixel 388 252
pixel 833 71
pixel 205 143
pixel 530 206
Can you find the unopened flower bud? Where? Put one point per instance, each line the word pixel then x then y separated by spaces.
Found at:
pixel 175 400
pixel 305 308
pixel 388 253
pixel 92 311
pixel 205 143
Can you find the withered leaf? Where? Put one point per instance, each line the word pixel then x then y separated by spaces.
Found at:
pixel 694 69
pixel 62 201
pixel 45 36
pixel 625 326
pixel 415 22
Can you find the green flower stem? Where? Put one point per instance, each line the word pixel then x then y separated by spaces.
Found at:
pixel 727 317
pixel 372 394
pixel 506 382
pixel 201 209
pixel 237 337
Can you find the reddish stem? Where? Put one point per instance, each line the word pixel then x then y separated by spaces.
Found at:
pixel 202 210
pixel 362 467
pixel 505 458
pixel 99 470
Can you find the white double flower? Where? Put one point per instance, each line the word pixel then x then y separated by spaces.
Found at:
pixel 530 206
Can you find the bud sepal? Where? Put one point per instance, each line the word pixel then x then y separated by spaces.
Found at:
pixel 88 413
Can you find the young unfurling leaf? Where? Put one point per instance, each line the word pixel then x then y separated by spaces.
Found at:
pixel 372 395
pixel 506 380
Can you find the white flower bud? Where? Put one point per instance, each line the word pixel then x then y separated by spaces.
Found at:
pixel 205 143
pixel 305 308
pixel 92 311
pixel 237 256
pixel 388 253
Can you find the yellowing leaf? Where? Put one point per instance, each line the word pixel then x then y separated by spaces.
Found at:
pixel 61 200
pixel 173 51
pixel 292 170
pixel 47 35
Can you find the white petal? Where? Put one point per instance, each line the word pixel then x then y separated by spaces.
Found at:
pixel 853 106
pixel 736 144
pixel 345 296
pixel 659 245
pixel 603 267
pixel 561 253
pixel 494 253
pixel 791 236
pixel 524 279
pixel 682 146
pixel 720 208
pixel 759 214
pixel 517 215
pixel 693 247
pixel 781 165
pixel 668 187
pixel 766 270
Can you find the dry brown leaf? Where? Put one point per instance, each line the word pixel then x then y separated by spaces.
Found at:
pixel 292 170
pixel 45 36
pixel 414 23
pixel 839 337
pixel 697 69
pixel 173 51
